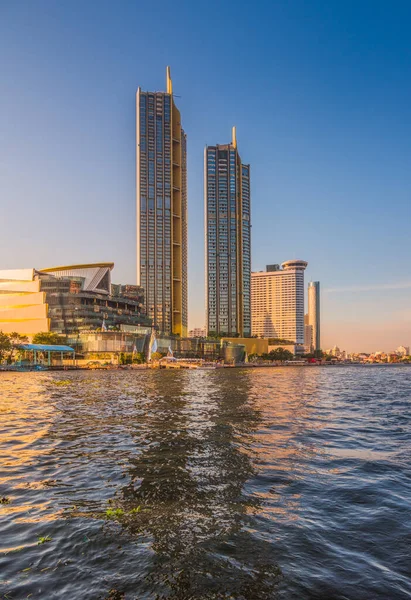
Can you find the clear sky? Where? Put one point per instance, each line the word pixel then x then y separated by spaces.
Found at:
pixel 320 93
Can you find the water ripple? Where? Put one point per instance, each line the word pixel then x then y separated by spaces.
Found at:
pixel 283 483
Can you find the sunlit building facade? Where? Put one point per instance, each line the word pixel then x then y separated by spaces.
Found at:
pixel 277 301
pixel 227 240
pixel 308 335
pixel 197 332
pixel 161 182
pixel 314 313
pixel 68 300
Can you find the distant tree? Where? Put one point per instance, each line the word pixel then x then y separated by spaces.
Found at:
pixel 278 341
pixel 156 356
pixel 318 354
pixel 281 354
pixel 5 344
pixel 49 338
pixel 15 340
pixel 125 358
pixel 139 358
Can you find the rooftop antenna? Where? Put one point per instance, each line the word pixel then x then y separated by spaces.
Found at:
pixel 169 82
pixel 234 137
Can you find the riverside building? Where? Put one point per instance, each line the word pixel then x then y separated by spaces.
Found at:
pixel 227 240
pixel 161 182
pixel 68 300
pixel 308 335
pixel 277 301
pixel 314 313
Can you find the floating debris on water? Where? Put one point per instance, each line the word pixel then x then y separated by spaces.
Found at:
pixel 44 539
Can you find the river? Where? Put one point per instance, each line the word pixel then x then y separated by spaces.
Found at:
pixel 288 483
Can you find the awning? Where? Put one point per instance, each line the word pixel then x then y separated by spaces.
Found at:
pixel 45 348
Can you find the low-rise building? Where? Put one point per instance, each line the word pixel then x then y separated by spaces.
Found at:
pixel 252 345
pixel 197 332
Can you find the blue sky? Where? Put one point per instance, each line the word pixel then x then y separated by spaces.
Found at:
pixel 320 93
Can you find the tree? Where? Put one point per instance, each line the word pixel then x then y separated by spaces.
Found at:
pixel 15 339
pixel 5 344
pixel 156 356
pixel 139 358
pixel 49 338
pixel 281 354
pixel 277 341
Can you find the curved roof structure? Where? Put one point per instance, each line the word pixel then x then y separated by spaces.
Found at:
pixel 96 276
pixel 110 265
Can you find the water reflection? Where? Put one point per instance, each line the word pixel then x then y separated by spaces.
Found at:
pixel 220 477
pixel 188 480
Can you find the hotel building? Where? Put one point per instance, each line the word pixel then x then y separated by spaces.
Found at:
pixel 314 313
pixel 161 182
pixel 277 301
pixel 227 240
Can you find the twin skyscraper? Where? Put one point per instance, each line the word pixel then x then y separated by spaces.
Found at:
pixel 161 173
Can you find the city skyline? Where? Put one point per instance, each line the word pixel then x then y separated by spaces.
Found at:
pixel 331 154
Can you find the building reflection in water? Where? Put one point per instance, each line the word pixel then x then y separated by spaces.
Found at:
pixel 283 447
pixel 195 457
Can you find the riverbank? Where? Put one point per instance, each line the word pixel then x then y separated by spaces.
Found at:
pixel 145 367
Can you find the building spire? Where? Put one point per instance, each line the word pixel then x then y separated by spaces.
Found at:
pixel 169 82
pixel 234 137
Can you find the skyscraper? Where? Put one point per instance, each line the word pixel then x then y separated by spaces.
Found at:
pixel 161 181
pixel 227 240
pixel 277 299
pixel 314 313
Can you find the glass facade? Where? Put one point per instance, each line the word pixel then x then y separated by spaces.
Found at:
pixel 227 237
pixel 314 312
pixel 72 309
pixel 162 211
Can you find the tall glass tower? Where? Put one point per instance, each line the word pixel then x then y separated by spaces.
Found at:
pixel 161 181
pixel 227 240
pixel 314 313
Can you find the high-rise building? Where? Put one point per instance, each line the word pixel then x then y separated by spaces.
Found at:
pixel 314 313
pixel 161 180
pixel 277 302
pixel 227 240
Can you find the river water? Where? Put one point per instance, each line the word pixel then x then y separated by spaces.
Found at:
pixel 288 483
